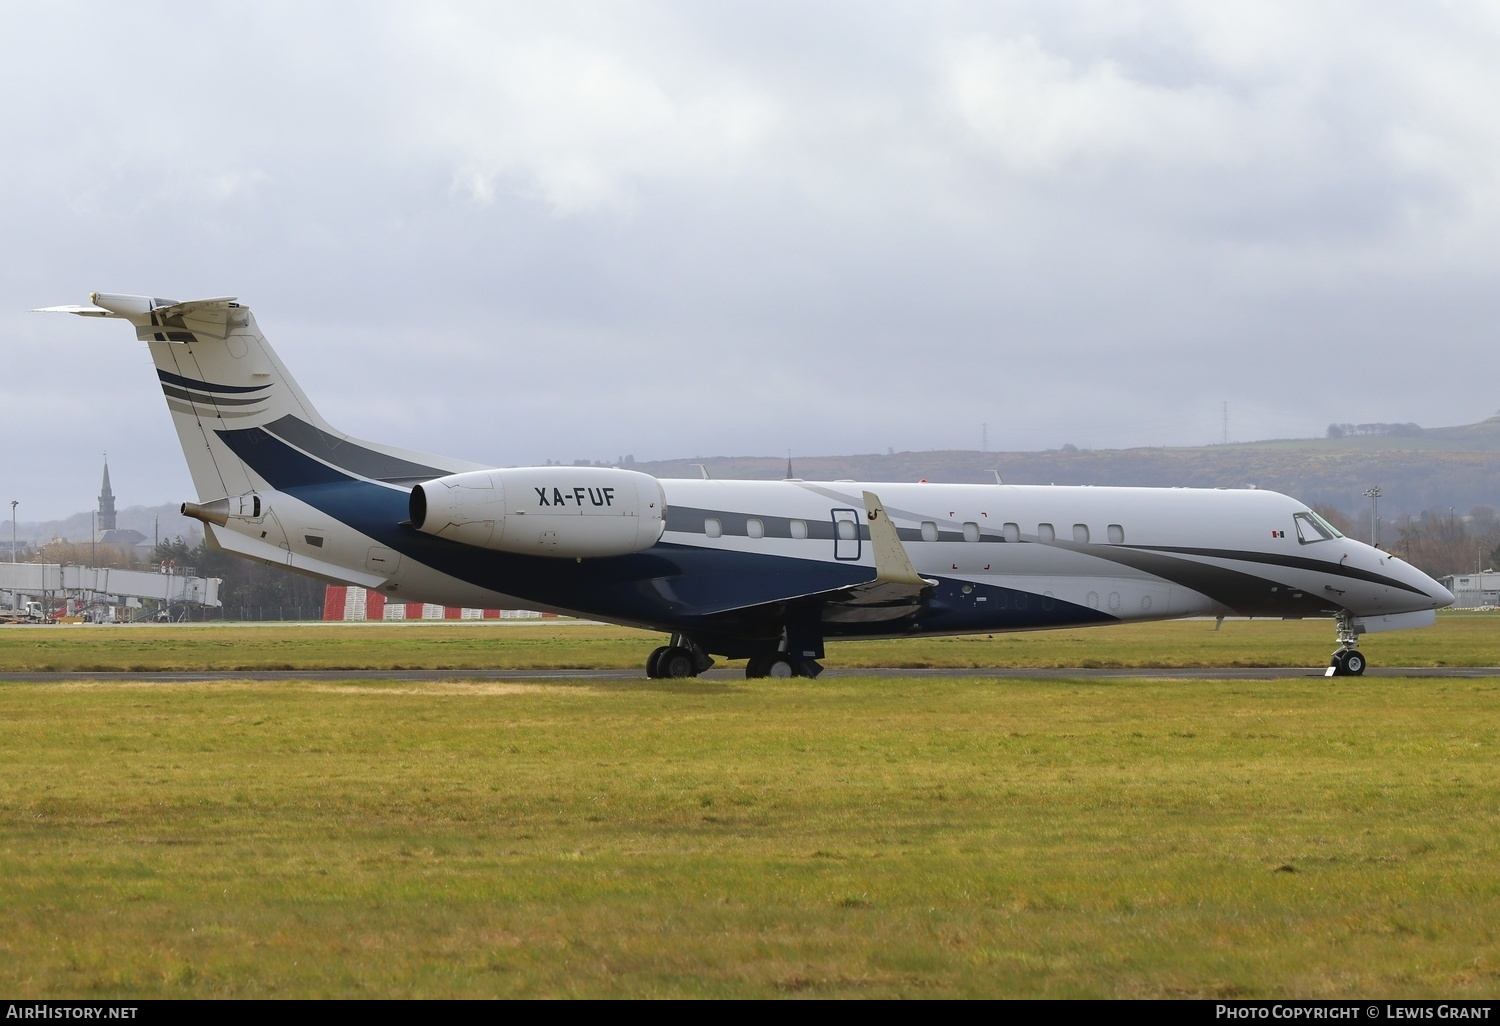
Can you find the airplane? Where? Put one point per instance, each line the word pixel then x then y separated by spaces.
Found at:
pixel 767 571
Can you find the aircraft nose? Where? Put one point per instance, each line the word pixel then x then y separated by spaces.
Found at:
pixel 1443 596
pixel 1437 596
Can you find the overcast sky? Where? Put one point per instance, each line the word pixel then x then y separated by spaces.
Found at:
pixel 521 232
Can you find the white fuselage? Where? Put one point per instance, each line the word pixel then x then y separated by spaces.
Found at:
pixel 761 569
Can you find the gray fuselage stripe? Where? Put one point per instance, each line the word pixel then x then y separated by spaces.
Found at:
pixel 349 456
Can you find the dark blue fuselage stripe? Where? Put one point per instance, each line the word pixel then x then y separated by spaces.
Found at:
pixel 177 379
pixel 350 456
pixel 285 468
pixel 668 586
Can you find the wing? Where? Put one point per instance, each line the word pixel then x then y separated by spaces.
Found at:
pixel 893 589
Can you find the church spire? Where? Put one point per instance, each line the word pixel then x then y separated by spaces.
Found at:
pixel 106 502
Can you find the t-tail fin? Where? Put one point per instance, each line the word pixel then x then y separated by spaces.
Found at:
pixel 244 424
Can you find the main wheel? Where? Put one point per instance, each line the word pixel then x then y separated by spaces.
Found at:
pixel 1354 663
pixel 756 667
pixel 780 666
pixel 676 663
pixel 653 669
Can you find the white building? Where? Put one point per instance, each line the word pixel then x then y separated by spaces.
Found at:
pixel 1470 591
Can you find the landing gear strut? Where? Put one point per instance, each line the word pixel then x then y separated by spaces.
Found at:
pixel 1347 660
pixel 682 658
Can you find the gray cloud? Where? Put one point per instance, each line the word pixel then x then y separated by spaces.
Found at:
pixel 518 233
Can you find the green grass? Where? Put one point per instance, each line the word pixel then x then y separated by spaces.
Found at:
pixel 851 837
pixel 1458 640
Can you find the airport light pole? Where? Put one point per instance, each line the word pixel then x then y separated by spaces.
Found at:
pixel 13 504
pixel 1373 494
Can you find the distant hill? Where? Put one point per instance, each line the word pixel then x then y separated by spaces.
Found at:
pixel 1416 469
pixel 1428 468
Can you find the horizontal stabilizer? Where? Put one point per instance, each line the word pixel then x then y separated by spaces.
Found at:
pixel 81 311
pixel 274 555
pixel 109 304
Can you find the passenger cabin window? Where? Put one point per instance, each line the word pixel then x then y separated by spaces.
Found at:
pixel 929 531
pixel 798 528
pixel 713 527
pixel 971 531
pixel 1081 533
pixel 1045 532
pixel 1116 534
pixel 1313 528
pixel 1012 532
pixel 755 528
pixel 847 530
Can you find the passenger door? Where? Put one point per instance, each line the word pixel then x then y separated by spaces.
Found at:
pixel 846 534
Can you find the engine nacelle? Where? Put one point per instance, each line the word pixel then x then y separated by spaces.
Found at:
pixel 544 511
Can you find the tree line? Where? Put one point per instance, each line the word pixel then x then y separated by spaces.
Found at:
pixel 250 590
pixel 1440 541
pixel 1373 430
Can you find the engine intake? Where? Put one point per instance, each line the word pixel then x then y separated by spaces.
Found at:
pixel 544 511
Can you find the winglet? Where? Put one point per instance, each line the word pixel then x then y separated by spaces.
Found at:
pixel 892 564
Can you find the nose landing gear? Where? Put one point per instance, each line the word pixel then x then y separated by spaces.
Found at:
pixel 1347 660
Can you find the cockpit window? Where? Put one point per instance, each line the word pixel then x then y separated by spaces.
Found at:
pixel 1313 528
pixel 1326 525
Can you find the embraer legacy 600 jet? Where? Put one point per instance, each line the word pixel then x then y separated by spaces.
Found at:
pixel 761 570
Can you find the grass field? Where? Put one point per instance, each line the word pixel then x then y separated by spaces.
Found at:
pixel 1458 640
pixel 851 837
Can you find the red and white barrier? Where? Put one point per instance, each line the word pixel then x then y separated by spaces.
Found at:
pixel 350 602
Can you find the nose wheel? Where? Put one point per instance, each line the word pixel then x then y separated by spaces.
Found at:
pixel 1347 661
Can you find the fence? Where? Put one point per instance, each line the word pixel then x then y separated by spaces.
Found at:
pixel 350 602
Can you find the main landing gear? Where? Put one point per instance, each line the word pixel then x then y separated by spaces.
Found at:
pixel 682 658
pixel 1347 660
pixel 780 664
